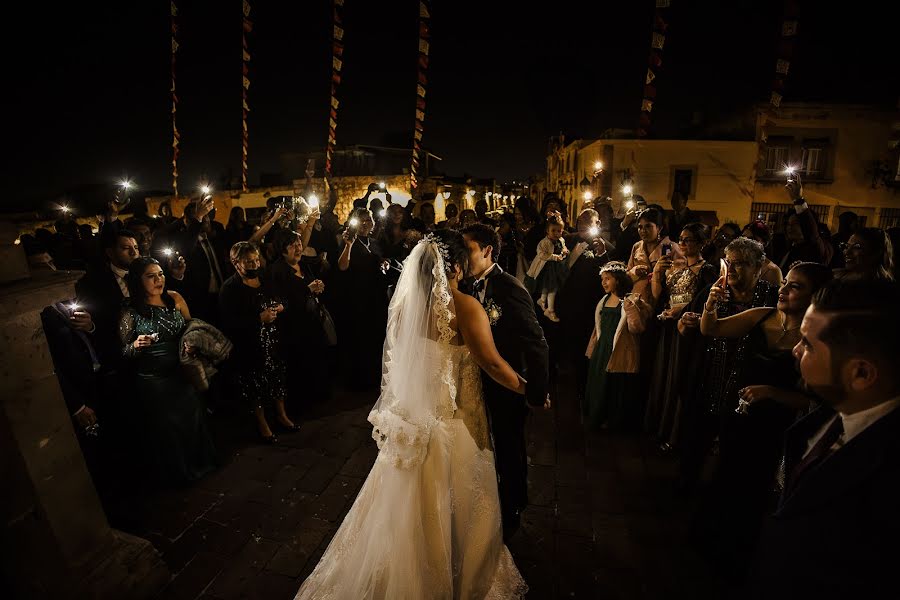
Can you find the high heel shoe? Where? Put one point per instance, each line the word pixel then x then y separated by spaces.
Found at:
pixel 269 439
pixel 289 428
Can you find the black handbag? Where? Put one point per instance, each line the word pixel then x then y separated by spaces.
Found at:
pixel 328 329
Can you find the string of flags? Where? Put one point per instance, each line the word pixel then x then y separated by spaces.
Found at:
pixel 173 9
pixel 785 51
pixel 337 63
pixel 247 27
pixel 421 89
pixel 654 64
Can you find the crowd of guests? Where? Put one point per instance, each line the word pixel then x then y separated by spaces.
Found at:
pixel 720 342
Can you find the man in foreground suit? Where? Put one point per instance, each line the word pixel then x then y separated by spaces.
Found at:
pixel 520 341
pixel 836 530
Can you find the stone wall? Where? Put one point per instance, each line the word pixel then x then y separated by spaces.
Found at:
pixel 349 189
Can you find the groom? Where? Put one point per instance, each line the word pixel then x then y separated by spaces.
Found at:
pixel 520 341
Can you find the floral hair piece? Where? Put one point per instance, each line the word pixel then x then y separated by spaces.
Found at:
pixel 439 244
pixel 614 267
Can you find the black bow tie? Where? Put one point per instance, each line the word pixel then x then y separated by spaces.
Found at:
pixel 478 287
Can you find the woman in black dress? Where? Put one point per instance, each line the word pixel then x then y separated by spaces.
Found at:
pixel 304 340
pixel 250 317
pixel 579 295
pixel 674 285
pixel 363 290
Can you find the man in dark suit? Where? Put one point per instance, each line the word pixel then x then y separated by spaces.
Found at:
pixel 520 341
pixel 102 291
pixel 836 529
pixel 199 276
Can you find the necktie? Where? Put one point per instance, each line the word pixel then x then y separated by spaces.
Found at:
pixel 818 452
pixel 477 288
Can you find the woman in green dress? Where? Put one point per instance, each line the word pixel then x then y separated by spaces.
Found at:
pixel 174 437
pixel 614 352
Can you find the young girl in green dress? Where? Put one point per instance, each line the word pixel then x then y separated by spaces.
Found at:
pixel 614 353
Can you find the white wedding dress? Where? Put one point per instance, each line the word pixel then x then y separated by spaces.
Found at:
pixel 426 522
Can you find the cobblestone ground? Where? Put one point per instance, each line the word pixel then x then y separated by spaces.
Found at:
pixel 603 522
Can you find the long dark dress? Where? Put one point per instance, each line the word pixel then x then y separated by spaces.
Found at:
pixel 608 397
pixel 174 437
pixel 711 381
pixel 255 363
pixel 732 509
pixel 363 313
pixel 304 338
pixel 575 305
pixel 665 402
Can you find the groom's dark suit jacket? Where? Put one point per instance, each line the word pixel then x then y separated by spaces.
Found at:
pixel 836 535
pixel 520 341
pixel 518 335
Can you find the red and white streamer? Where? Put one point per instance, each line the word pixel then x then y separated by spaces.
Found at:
pixel 421 89
pixel 337 63
pixel 246 27
pixel 173 9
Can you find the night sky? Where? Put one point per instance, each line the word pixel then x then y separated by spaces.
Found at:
pixel 90 100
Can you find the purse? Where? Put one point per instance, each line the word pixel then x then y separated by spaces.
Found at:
pixel 328 327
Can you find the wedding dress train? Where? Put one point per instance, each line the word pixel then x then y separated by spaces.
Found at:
pixel 426 522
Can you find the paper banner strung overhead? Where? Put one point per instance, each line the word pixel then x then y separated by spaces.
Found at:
pixel 246 27
pixel 176 138
pixel 421 89
pixel 789 24
pixel 337 64
pixel 654 62
pixel 789 28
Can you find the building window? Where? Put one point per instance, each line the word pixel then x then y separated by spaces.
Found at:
pixel 777 154
pixel 683 181
pixel 773 213
pixel 890 217
pixel 811 163
pixel 813 158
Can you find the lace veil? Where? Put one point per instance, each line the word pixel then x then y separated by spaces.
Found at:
pixel 417 386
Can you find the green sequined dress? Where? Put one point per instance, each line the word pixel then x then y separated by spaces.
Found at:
pixel 174 438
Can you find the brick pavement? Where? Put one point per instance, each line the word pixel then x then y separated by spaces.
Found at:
pixel 602 521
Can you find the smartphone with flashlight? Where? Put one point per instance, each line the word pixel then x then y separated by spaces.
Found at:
pixel 723 269
pixel 353 228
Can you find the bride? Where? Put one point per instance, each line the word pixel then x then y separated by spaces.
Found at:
pixel 426 522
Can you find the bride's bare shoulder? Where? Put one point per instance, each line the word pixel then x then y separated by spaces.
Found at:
pixel 464 302
pixel 468 308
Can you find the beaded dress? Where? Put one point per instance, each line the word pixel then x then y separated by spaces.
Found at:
pixel 174 439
